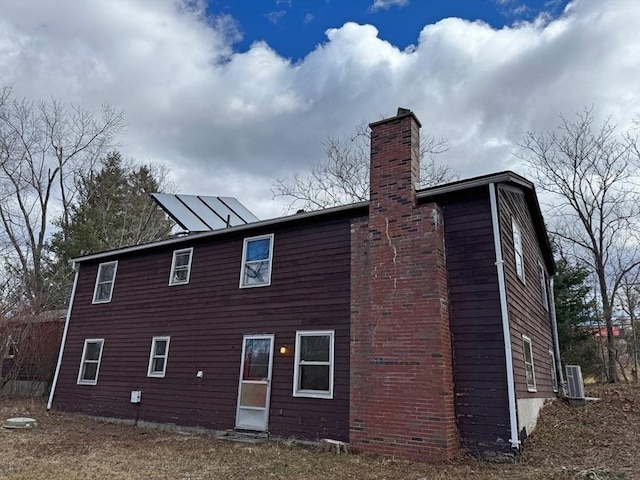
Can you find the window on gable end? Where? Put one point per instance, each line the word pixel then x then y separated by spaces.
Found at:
pixel 158 357
pixel 105 280
pixel 517 249
pixel 528 364
pixel 314 365
pixel 257 254
pixel 90 363
pixel 544 286
pixel 181 266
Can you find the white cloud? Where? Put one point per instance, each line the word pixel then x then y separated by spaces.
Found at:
pixel 275 16
pixel 230 123
pixel 387 4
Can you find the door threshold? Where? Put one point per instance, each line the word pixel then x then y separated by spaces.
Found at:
pixel 244 436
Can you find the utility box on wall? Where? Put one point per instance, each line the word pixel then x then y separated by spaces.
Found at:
pixel 136 396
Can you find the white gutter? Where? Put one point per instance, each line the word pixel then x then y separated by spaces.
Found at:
pixel 506 332
pixel 556 341
pixel 64 337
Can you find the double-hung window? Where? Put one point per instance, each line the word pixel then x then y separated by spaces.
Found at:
pixel 158 357
pixel 543 286
pixel 257 253
pixel 181 266
pixel 104 282
pixel 313 370
pixel 528 364
pixel 517 249
pixel 90 363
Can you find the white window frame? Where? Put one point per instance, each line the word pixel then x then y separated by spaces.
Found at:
pixel 244 261
pixel 12 343
pixel 83 361
pixel 298 392
pixel 544 286
pixel 172 280
pixel 112 282
pixel 517 249
pixel 153 356
pixel 527 344
pixel 554 373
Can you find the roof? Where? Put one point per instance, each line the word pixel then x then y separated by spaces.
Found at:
pixel 510 178
pixel 41 317
pixel 214 233
pixel 422 195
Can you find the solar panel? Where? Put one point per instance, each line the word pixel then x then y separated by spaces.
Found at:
pixel 197 213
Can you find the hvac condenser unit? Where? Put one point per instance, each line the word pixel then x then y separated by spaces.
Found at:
pixel 574 382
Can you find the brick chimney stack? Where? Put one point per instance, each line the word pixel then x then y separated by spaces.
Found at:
pixel 401 364
pixel 395 159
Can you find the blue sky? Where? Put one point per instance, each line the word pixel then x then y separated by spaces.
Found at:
pixel 230 95
pixel 294 27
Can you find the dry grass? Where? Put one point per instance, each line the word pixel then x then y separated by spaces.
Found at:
pixel 598 442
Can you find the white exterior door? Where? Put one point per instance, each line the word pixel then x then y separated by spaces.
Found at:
pixel 254 390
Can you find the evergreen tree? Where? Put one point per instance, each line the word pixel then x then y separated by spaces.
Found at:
pixel 575 317
pixel 113 209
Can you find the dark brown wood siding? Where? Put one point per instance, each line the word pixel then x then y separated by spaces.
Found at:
pixel 527 314
pixel 206 320
pixel 480 376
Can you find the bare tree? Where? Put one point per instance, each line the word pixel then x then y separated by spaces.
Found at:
pixel 342 176
pixel 44 146
pixel 629 304
pixel 592 177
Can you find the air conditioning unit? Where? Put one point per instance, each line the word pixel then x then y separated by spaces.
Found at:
pixel 574 382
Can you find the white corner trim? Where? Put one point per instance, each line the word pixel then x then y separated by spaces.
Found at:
pixel 64 336
pixel 506 332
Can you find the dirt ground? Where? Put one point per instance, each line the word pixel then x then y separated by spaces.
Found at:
pixel 598 442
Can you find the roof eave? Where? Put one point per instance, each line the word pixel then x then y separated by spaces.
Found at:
pixel 214 233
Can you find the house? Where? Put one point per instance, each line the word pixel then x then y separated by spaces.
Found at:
pixel 414 324
pixel 29 344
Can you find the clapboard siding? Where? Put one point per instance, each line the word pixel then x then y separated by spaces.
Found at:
pixel 477 340
pixel 527 315
pixel 206 320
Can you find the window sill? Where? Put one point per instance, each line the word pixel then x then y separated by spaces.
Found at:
pixel 532 389
pixel 312 394
pixel 256 285
pixel 98 302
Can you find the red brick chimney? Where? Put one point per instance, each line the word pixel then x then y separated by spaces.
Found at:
pixel 402 400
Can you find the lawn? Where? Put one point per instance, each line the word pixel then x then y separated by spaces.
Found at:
pixel 598 442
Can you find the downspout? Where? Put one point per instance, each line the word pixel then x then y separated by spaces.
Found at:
pixel 64 337
pixel 556 341
pixel 506 332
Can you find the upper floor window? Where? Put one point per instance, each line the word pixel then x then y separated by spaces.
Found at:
pixel 544 282
pixel 528 364
pixel 313 369
pixel 181 266
pixel 257 253
pixel 517 249
pixel 158 357
pixel 104 282
pixel 90 363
